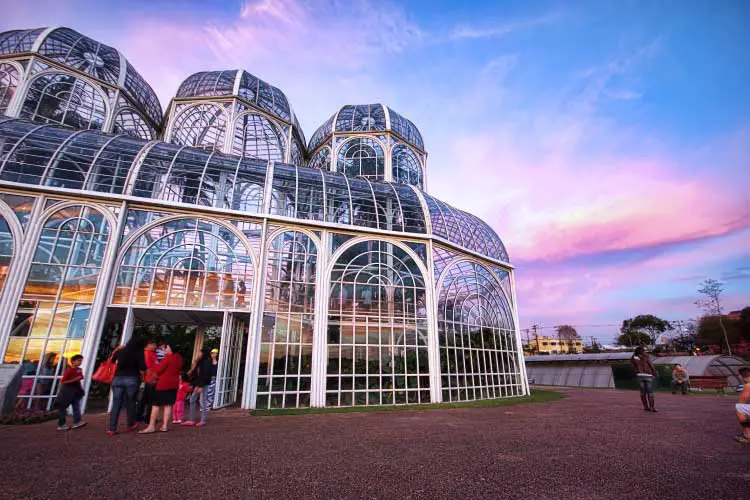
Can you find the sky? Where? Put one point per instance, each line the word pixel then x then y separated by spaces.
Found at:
pixel 607 143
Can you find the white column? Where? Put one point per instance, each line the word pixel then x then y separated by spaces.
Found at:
pixel 433 346
pixel 250 384
pixel 320 328
pixel 519 348
pixel 200 333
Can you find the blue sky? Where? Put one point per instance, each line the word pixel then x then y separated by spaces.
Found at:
pixel 608 143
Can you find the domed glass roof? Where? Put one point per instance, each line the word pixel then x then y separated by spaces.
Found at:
pixel 367 118
pixel 244 85
pixel 70 48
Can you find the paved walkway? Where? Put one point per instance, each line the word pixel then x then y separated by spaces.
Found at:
pixel 595 444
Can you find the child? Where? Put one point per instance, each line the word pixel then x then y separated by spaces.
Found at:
pixel 182 393
pixel 70 394
pixel 743 407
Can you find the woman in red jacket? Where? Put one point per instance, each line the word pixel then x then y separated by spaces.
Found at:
pixel 167 383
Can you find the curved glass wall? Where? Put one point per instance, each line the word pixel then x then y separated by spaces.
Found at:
pixel 51 318
pixel 406 166
pixel 256 136
pixel 284 372
pixel 129 122
pixel 377 328
pixel 478 349
pixel 321 159
pixel 363 157
pixel 203 126
pixel 65 99
pixel 186 263
pixel 6 251
pixel 8 85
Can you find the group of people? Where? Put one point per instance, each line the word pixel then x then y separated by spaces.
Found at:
pixel 157 371
pixel 645 373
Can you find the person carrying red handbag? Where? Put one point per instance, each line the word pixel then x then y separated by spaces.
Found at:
pixel 130 368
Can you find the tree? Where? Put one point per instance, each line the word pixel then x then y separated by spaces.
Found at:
pixel 567 334
pixel 712 289
pixel 687 338
pixel 648 324
pixel 633 338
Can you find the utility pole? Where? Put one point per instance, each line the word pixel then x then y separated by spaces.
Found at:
pixel 536 337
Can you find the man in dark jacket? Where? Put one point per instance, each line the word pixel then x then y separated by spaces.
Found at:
pixel 644 373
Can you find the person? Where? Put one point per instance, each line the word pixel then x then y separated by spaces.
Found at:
pixel 130 368
pixel 178 412
pixel 211 389
pixel 644 373
pixel 149 382
pixel 161 351
pixel 201 373
pixel 70 394
pixel 167 383
pixel 679 379
pixel 742 408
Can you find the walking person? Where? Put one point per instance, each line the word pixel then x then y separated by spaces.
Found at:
pixel 70 394
pixel 167 383
pixel 130 368
pixel 201 373
pixel 211 389
pixel 644 373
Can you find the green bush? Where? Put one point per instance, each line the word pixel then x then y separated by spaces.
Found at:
pixel 28 417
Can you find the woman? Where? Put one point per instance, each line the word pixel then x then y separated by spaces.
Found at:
pixel 167 383
pixel 201 374
pixel 130 368
pixel 644 373
pixel 211 389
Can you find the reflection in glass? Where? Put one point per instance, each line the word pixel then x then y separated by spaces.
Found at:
pixel 51 318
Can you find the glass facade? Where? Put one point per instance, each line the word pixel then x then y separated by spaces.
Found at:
pixel 340 281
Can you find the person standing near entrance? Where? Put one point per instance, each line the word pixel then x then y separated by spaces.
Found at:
pixel 130 366
pixel 70 394
pixel 149 382
pixel 644 373
pixel 168 373
pixel 211 389
pixel 201 373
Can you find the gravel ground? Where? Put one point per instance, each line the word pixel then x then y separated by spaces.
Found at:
pixel 595 444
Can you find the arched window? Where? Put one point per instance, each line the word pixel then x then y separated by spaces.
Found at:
pixel 6 250
pixel 51 318
pixel 129 122
pixel 191 263
pixel 321 159
pixel 256 136
pixel 65 99
pixel 8 85
pixel 377 328
pixel 296 156
pixel 362 156
pixel 406 167
pixel 479 355
pixel 288 320
pixel 203 126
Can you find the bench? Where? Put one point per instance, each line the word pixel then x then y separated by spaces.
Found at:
pixel 718 382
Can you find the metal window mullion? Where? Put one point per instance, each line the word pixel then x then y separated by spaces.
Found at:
pixel 54 156
pixel 96 158
pixel 268 188
pixel 15 146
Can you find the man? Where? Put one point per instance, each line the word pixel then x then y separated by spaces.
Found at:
pixel 149 382
pixel 679 379
pixel 742 408
pixel 644 373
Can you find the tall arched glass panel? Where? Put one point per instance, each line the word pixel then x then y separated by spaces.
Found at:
pixel 288 320
pixel 129 122
pixel 203 126
pixel 406 167
pixel 256 136
pixel 51 318
pixel 8 85
pixel 321 159
pixel 377 328
pixel 362 156
pixel 478 348
pixel 65 99
pixel 186 263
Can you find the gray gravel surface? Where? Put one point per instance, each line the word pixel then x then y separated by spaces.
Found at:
pixel 595 444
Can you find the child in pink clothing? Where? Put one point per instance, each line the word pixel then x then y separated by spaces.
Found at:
pixel 183 391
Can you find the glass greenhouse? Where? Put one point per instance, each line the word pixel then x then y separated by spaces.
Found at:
pixel 330 275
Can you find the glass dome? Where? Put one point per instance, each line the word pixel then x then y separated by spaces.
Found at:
pixel 71 49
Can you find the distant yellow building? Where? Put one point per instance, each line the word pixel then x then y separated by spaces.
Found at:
pixel 551 345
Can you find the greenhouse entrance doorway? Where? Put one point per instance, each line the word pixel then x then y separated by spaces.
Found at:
pixel 190 331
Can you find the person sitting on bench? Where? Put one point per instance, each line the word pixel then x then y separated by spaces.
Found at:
pixel 679 379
